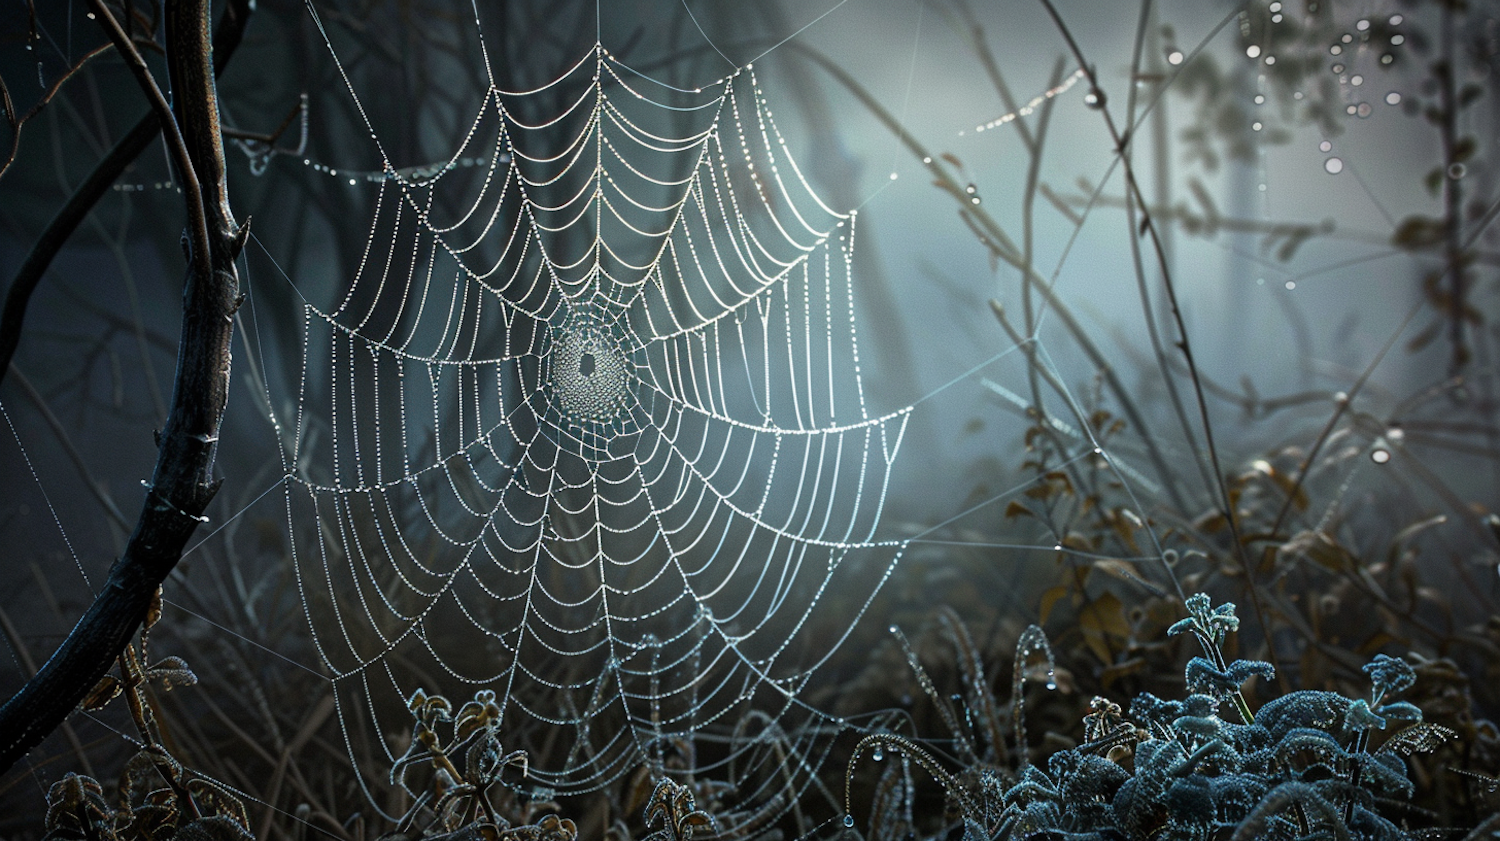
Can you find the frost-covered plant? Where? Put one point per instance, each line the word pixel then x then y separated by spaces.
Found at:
pixel 1300 767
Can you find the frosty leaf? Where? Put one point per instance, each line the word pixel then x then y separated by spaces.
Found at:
pixel 1389 675
pixel 1401 711
pixel 1418 737
pixel 170 672
pixel 1359 716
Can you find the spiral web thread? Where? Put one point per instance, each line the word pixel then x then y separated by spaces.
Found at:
pixel 586 428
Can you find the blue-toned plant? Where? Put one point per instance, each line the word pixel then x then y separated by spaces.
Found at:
pixel 1299 767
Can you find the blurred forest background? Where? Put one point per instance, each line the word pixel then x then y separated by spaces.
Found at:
pixel 1283 335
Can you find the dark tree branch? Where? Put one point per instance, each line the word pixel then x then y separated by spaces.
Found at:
pixel 182 484
pixel 227 37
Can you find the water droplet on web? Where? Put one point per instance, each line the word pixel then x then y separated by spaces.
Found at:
pixel 1051 680
pixel 1363 110
pixel 1334 166
pixel 1396 20
pixel 1380 455
pixel 1175 57
pixel 893 629
pixel 971 189
pixel 1290 285
pixel 974 200
pixel 1457 171
pixel 1325 146
pixel 849 821
pixel 1398 40
pixel 1253 51
pixel 877 754
pixel 1356 80
pixel 1393 98
pixel 1094 98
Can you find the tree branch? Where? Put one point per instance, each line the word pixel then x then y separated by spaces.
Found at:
pixel 182 484
pixel 227 37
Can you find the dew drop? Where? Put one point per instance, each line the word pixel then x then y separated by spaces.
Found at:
pixel 1398 39
pixel 1276 18
pixel 877 754
pixel 1356 80
pixel 1362 25
pixel 974 200
pixel 1051 680
pixel 1325 146
pixel 893 629
pixel 1393 98
pixel 893 176
pixel 1396 20
pixel 1333 166
pixel 1094 98
pixel 1380 455
pixel 849 821
pixel 971 189
pixel 1290 285
pixel 1175 57
pixel 1457 171
pixel 1253 51
pixel 1335 49
pixel 1256 126
pixel 1363 110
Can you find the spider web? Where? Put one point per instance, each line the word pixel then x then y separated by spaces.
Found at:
pixel 587 428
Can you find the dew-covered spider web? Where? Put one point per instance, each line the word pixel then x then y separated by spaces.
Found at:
pixel 586 428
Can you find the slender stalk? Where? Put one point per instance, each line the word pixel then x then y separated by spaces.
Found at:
pixel 1004 249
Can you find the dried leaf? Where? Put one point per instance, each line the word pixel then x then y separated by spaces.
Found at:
pixel 1049 601
pixel 153 613
pixel 1104 626
pixel 106 690
pixel 1016 509
pixel 1418 232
